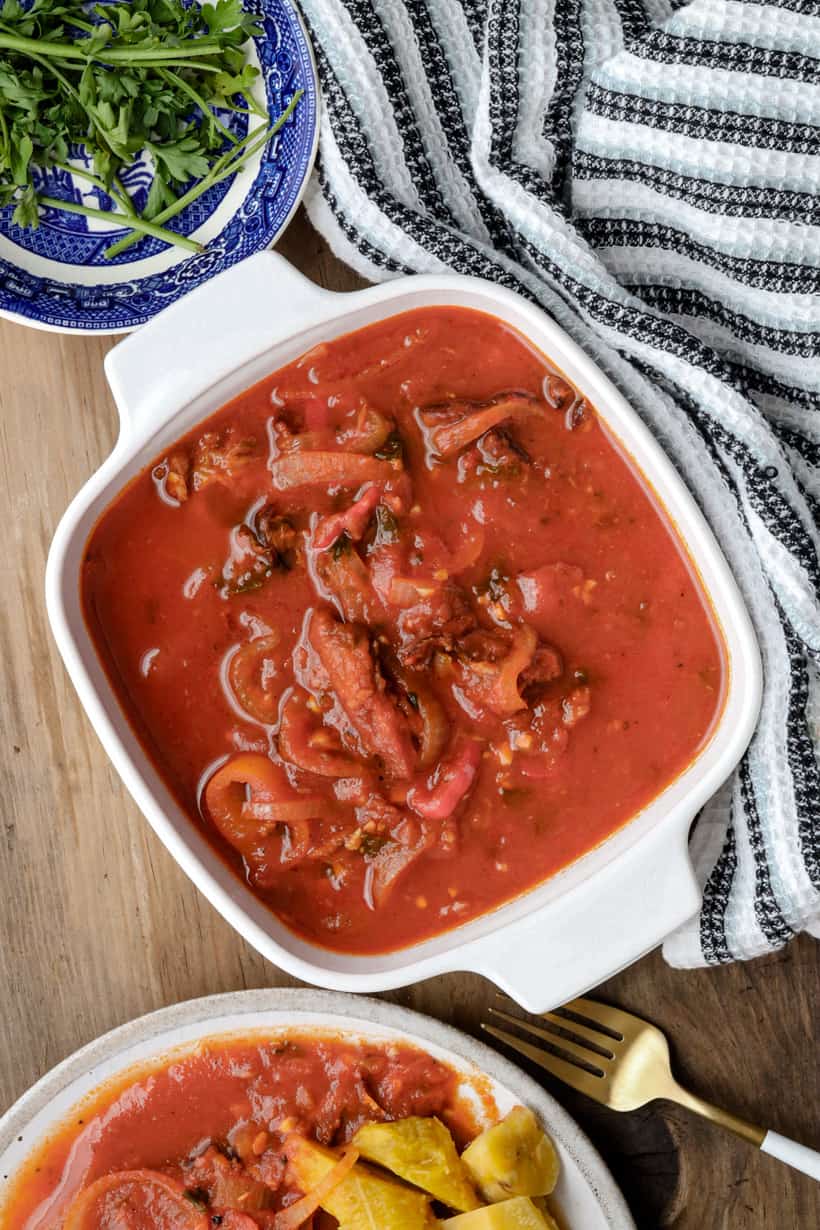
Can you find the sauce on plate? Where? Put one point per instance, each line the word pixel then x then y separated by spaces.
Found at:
pixel 199 1141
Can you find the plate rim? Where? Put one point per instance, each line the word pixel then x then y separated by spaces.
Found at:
pixel 291 7
pixel 362 1012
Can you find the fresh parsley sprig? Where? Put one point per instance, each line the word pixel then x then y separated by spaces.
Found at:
pixel 120 78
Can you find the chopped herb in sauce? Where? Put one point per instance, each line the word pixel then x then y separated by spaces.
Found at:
pixel 392 449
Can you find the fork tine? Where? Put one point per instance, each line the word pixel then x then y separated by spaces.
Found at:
pixel 578 1050
pixel 594 1038
pixel 602 1016
pixel 576 1078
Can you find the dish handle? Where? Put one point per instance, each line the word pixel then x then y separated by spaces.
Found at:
pixel 610 920
pixel 209 333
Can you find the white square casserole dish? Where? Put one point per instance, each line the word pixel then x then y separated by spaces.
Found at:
pixel 557 939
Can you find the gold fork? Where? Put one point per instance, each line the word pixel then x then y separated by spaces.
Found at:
pixel 622 1061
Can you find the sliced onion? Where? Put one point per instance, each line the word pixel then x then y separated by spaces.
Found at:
pixel 408 841
pixel 296 843
pixel 226 793
pixel 166 1205
pixel 284 812
pixel 503 696
pixel 445 439
pixel 370 432
pixel 328 469
pixel 242 820
pixel 298 1212
pixel 251 667
pixel 434 729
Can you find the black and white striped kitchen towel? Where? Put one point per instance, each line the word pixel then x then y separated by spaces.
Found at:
pixel 647 171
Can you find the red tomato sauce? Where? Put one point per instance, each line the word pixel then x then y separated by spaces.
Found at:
pixel 212 1123
pixel 404 629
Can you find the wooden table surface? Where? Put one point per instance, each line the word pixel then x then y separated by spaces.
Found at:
pixel 98 925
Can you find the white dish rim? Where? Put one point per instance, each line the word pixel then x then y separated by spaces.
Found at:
pixel 594 917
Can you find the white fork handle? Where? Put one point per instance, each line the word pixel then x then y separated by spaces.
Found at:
pixel 800 1157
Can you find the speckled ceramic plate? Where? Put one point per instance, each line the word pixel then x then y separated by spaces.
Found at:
pixel 586 1196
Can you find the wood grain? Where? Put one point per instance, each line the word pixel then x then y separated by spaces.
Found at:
pixel 98 925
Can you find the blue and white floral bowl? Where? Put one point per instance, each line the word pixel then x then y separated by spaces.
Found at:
pixel 56 276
